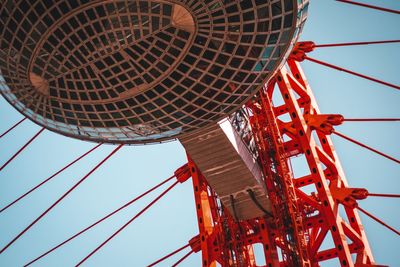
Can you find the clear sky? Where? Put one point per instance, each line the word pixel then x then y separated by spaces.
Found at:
pixel 172 221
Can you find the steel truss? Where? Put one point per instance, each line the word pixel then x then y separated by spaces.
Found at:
pixel 302 220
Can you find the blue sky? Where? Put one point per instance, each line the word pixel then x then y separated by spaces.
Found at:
pixel 172 222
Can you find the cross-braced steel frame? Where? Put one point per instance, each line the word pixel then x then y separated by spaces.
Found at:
pixel 302 220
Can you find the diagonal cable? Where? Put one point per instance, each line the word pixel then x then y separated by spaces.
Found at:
pixel 49 178
pixel 356 43
pixel 12 127
pixel 169 255
pixel 21 149
pixel 126 224
pixel 369 6
pixel 351 72
pixel 378 220
pixel 182 259
pixel 99 221
pixel 367 147
pixel 61 198
pixel 371 119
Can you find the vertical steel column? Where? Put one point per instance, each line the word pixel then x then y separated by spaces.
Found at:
pixel 321 209
pixel 224 240
pixel 204 214
pixel 292 238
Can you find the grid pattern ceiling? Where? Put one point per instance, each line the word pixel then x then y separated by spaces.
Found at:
pixel 140 71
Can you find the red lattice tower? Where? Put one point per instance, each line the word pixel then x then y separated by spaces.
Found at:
pixel 300 222
pixel 292 231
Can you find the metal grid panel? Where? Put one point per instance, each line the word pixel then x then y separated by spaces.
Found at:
pixel 132 71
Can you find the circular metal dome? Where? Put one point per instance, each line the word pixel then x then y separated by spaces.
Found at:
pixel 140 71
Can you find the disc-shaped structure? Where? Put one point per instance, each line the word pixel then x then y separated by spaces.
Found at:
pixel 140 71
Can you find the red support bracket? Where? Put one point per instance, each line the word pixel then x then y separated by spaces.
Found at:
pixel 195 244
pixel 300 49
pixel 182 174
pixel 323 122
pixel 349 196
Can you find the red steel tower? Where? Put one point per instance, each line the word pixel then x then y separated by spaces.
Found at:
pixel 205 73
pixel 299 222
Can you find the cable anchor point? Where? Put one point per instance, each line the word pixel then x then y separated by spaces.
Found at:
pixel 182 174
pixel 300 49
pixel 349 196
pixel 195 244
pixel 323 122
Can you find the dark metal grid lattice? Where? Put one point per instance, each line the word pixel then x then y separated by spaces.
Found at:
pixel 140 71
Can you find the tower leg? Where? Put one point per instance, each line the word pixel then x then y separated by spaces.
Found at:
pixel 305 137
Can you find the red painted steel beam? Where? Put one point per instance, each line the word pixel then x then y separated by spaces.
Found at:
pixel 127 223
pixel 61 198
pixel 21 149
pixel 378 220
pixel 99 221
pixel 12 128
pixel 326 173
pixel 169 255
pixel 367 147
pixel 370 6
pixel 48 179
pixel 351 72
pixel 356 43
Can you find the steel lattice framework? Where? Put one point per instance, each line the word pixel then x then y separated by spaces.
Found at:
pixel 299 213
pixel 300 222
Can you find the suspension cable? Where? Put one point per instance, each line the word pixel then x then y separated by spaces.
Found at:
pixel 126 224
pixel 383 195
pixel 21 149
pixel 12 128
pixel 101 220
pixel 370 6
pixel 351 72
pixel 356 43
pixel 49 178
pixel 367 147
pixel 169 255
pixel 61 198
pixel 378 220
pixel 371 119
pixel 182 259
